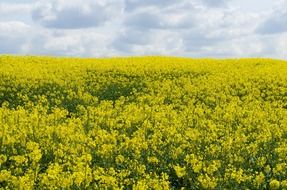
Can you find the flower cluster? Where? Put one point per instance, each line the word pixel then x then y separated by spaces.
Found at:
pixel 142 123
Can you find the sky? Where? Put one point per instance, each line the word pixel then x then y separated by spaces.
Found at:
pixel 105 28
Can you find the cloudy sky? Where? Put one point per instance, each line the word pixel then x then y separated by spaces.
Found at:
pixel 104 28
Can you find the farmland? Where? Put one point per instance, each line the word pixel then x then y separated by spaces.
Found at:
pixel 142 123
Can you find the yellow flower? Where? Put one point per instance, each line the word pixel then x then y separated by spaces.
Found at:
pixel 207 182
pixel 19 159
pixel 120 159
pixel 138 123
pixel 180 171
pixel 259 179
pixel 3 159
pixel 284 184
pixel 153 160
pixel 5 175
pixel 79 178
pixel 274 184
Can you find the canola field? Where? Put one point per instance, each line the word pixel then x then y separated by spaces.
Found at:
pixel 142 123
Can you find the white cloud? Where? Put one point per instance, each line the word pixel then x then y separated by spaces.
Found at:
pixel 65 44
pixel 7 8
pixel 199 28
pixel 280 48
pixel 13 27
pixel 15 12
pixel 13 36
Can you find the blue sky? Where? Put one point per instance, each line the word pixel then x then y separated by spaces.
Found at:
pixel 104 28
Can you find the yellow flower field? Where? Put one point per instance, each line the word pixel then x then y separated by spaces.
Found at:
pixel 142 123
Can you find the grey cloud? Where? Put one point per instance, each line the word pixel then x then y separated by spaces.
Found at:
pixel 10 45
pixel 135 37
pixel 160 20
pixel 131 5
pixel 73 16
pixel 275 24
pixel 144 20
pixel 214 3
pixel 148 41
pixel 195 40
pixel 70 18
pixel 132 37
